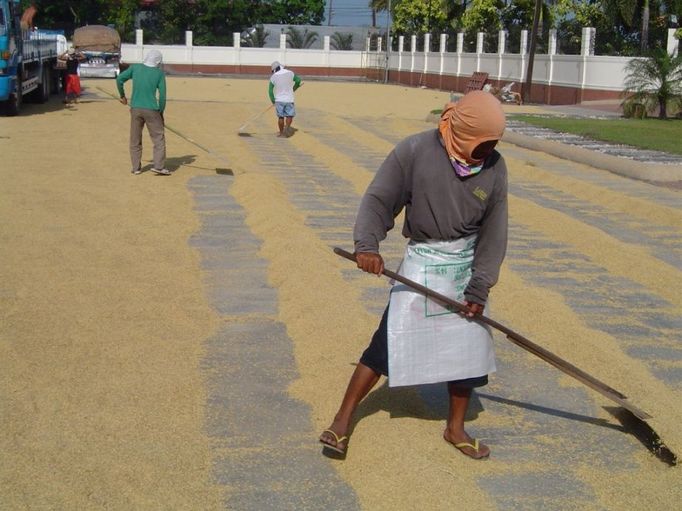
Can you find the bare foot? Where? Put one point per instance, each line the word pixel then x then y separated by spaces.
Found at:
pixel 466 445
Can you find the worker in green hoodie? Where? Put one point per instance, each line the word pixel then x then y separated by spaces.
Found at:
pixel 146 109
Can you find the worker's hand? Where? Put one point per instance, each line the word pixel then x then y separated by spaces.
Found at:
pixel 473 309
pixel 123 100
pixel 370 262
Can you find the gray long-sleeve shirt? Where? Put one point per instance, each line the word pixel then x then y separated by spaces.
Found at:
pixel 439 205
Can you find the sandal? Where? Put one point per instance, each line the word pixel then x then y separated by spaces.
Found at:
pixel 337 439
pixel 475 446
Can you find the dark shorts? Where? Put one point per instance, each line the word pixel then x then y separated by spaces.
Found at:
pixel 376 356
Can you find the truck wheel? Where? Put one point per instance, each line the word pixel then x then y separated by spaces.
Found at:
pixel 42 93
pixel 55 81
pixel 44 90
pixel 13 104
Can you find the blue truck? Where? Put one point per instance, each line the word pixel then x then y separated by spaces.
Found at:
pixel 28 60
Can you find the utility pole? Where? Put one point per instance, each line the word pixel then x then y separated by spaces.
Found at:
pixel 531 55
pixel 388 41
pixel 329 18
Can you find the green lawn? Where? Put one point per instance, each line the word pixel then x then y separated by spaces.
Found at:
pixel 645 133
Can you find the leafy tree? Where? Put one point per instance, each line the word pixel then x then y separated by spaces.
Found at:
pixel 300 39
pixel 294 12
pixel 257 38
pixel 69 15
pixel 381 6
pixel 483 16
pixel 654 81
pixel 571 16
pixel 419 16
pixel 172 18
pixel 214 21
pixel 121 14
pixel 518 15
pixel 341 41
pixel 632 13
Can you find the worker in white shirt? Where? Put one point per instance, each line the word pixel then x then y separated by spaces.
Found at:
pixel 283 83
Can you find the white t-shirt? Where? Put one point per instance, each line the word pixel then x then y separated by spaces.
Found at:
pixel 283 81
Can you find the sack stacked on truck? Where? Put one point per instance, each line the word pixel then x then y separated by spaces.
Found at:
pixel 97 38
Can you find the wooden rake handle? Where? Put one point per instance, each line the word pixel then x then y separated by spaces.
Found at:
pixel 517 339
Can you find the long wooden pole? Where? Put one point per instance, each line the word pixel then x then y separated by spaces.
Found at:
pixel 517 339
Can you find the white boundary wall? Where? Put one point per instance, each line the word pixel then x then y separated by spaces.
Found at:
pixel 585 71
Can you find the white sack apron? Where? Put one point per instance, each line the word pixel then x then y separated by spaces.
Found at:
pixel 426 342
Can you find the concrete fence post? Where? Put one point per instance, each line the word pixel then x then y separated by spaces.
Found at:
pixel 586 51
pixel 552 42
pixel 460 50
pixel 401 49
pixel 327 46
pixel 139 37
pixel 551 52
pixel 427 49
pixel 189 56
pixel 480 37
pixel 523 51
pixel 587 41
pixel 673 45
pixel 442 48
pixel 523 47
pixel 501 50
pixel 380 42
pixel 282 41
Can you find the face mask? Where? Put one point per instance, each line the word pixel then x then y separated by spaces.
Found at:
pixel 463 170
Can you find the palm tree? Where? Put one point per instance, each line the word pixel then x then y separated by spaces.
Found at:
pixel 256 37
pixel 379 6
pixel 628 10
pixel 300 40
pixel 654 81
pixel 341 41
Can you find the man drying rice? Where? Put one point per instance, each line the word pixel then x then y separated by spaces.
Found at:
pixel 146 109
pixel 453 186
pixel 283 84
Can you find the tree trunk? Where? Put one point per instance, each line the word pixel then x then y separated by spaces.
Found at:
pixel 645 27
pixel 662 109
pixel 531 55
pixel 374 17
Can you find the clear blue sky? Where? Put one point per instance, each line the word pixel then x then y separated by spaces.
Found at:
pixel 351 12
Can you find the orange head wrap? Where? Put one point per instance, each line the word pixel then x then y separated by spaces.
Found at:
pixel 476 118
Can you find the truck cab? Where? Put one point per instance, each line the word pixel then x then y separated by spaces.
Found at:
pixel 27 61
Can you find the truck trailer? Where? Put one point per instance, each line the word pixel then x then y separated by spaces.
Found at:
pixel 28 58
